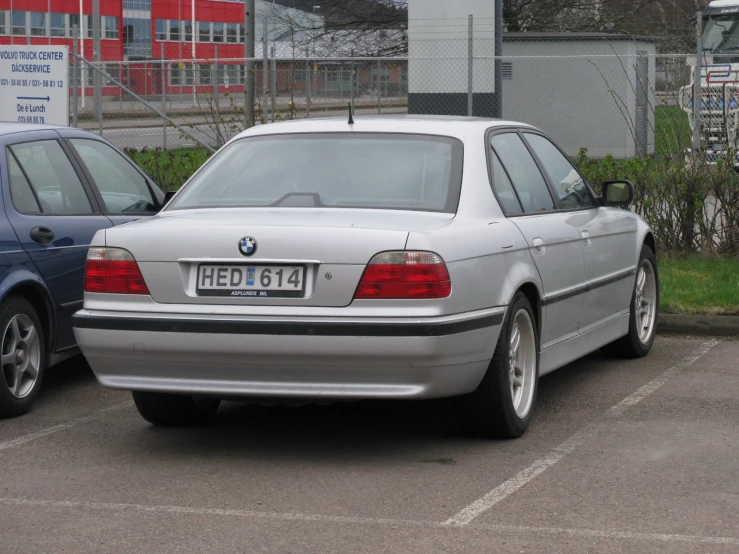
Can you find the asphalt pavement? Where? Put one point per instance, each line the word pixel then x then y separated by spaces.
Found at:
pixel 623 456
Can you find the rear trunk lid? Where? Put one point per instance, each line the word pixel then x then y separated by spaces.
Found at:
pixel 332 246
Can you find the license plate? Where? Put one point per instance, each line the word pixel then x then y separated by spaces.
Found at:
pixel 257 281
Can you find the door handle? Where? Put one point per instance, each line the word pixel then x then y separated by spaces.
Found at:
pixel 586 237
pixel 42 235
pixel 538 245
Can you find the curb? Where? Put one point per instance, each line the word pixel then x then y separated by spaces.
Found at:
pixel 713 325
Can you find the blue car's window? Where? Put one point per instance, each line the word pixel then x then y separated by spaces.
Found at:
pixel 52 177
pixel 331 170
pixel 524 173
pixel 20 191
pixel 123 189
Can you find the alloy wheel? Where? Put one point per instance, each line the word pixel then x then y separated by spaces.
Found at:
pixel 20 356
pixel 645 301
pixel 522 363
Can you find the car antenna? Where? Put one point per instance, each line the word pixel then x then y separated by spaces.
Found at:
pixel 351 118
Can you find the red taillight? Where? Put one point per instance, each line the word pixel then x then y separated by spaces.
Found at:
pixel 405 275
pixel 114 271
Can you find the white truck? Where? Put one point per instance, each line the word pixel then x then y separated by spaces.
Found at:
pixel 719 85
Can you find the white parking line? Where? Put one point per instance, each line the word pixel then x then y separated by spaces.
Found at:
pixel 507 488
pixel 61 427
pixel 514 529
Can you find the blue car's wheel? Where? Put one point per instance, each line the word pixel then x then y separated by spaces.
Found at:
pixel 22 356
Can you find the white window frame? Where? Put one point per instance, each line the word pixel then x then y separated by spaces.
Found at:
pixel 166 30
pixel 180 32
pixel 210 31
pixel 4 26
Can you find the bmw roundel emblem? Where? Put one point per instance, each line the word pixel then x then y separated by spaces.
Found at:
pixel 247 246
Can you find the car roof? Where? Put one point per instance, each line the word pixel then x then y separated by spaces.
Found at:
pixel 452 126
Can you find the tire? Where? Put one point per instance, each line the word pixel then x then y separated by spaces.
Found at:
pixel 174 410
pixel 23 356
pixel 638 342
pixel 495 409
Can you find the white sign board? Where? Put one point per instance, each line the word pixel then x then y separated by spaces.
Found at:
pixel 33 84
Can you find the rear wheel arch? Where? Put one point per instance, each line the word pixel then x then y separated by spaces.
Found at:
pixel 42 304
pixel 532 294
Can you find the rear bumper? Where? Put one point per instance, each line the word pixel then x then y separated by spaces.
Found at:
pixel 290 357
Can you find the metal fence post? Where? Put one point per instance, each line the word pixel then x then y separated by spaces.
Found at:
pixel 351 81
pixel 308 79
pixel 264 70
pixel 249 53
pixel 274 83
pixel 164 98
pixel 216 88
pixel 498 107
pixel 379 87
pixel 97 80
pixel 697 96
pixel 470 67
pixel 74 77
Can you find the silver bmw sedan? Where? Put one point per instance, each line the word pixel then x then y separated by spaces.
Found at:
pixel 404 258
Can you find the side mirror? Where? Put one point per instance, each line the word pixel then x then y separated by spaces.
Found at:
pixel 617 193
pixel 168 196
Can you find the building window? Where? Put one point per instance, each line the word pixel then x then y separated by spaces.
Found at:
pixel 242 33
pixel 19 23
pixel 3 22
pixel 109 24
pixel 204 74
pixel 217 32
pixel 161 29
pixel 137 37
pixel 188 74
pixel 232 75
pixel 204 31
pixel 74 21
pixel 144 5
pixel 89 76
pixel 58 25
pixel 232 32
pixel 175 78
pixel 174 30
pixel 188 30
pixel 38 24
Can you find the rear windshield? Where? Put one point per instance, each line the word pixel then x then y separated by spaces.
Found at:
pixel 337 170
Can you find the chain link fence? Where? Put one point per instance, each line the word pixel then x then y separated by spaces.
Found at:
pixel 616 97
pixel 618 107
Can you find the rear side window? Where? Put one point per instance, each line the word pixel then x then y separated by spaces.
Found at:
pixel 52 177
pixel 503 188
pixel 23 197
pixel 523 172
pixel 124 190
pixel 331 170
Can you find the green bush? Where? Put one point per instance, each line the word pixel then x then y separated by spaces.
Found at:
pixel 169 168
pixel 691 206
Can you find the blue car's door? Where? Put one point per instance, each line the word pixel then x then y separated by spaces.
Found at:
pixel 55 214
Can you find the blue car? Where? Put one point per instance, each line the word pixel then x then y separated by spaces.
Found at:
pixel 59 187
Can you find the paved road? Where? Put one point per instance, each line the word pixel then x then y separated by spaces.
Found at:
pixel 148 132
pixel 152 136
pixel 623 456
